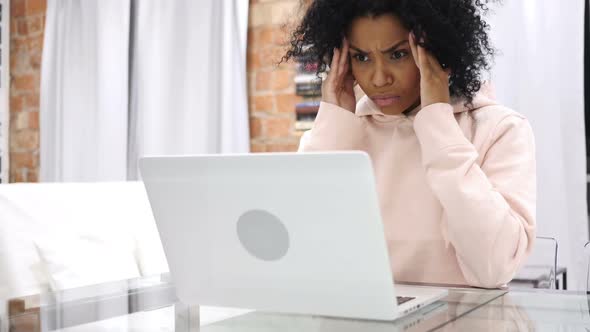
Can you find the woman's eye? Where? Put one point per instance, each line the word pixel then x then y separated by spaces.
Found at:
pixel 361 57
pixel 398 54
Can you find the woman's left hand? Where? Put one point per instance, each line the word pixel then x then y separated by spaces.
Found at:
pixel 434 80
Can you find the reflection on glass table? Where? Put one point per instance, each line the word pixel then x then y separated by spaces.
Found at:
pixel 530 310
pixel 459 302
pixel 150 304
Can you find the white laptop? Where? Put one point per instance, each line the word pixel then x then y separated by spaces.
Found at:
pixel 286 232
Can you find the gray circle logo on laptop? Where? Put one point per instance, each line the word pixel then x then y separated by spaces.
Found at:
pixel 263 235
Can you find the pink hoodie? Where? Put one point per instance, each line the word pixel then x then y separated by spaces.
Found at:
pixel 457 186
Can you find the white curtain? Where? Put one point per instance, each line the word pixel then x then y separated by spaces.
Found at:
pixel 83 112
pixel 189 78
pixel 122 79
pixel 540 74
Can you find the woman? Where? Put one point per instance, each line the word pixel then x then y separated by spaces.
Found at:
pixel 455 170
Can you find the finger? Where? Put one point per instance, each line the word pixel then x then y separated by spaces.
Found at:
pixel 343 58
pixel 414 49
pixel 349 83
pixel 347 69
pixel 335 60
pixel 424 65
pixel 334 65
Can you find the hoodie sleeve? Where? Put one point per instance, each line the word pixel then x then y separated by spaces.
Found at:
pixel 333 129
pixel 489 210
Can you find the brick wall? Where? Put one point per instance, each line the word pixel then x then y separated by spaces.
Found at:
pixel 27 20
pixel 271 89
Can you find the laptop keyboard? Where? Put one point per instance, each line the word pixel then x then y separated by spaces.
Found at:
pixel 403 299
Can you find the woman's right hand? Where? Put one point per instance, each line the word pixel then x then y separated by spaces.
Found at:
pixel 337 88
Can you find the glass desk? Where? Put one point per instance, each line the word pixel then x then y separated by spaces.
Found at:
pixel 530 310
pixel 150 304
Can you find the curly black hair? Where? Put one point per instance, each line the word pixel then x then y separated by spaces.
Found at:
pixel 452 30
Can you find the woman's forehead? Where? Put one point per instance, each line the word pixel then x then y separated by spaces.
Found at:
pixel 380 31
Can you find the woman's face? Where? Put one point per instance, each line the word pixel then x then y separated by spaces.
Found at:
pixel 382 63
